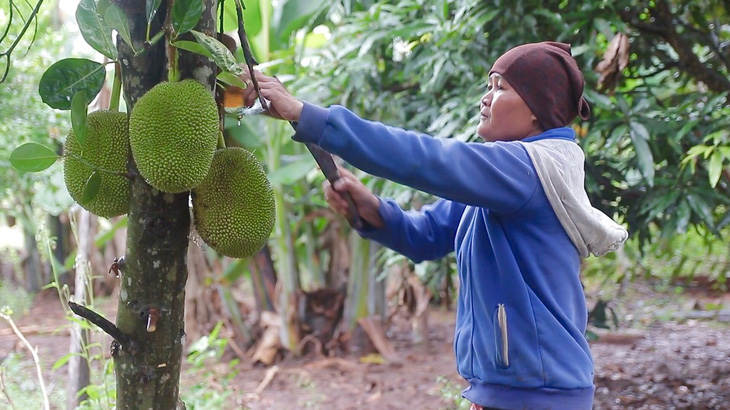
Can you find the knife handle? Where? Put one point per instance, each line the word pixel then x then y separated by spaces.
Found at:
pixel 353 218
pixel 328 167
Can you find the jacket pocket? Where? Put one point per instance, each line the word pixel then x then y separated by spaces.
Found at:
pixel 501 337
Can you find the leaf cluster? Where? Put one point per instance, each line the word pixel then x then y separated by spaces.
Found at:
pixel 656 146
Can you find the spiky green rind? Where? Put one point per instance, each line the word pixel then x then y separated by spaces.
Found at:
pixel 106 147
pixel 173 132
pixel 233 208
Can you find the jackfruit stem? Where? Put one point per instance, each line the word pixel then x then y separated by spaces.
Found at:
pixel 221 140
pixel 116 88
pixel 173 73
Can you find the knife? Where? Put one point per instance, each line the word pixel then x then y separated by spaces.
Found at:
pixel 327 164
pixel 323 158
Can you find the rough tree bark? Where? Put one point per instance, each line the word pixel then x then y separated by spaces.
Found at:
pixel 155 272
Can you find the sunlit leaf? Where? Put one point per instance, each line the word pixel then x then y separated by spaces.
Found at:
pixel 66 77
pixel 78 116
pixel 193 47
pixel 32 157
pixel 185 15
pixel 231 79
pixel 715 169
pixel 219 53
pixel 91 188
pixel 95 31
pixel 116 19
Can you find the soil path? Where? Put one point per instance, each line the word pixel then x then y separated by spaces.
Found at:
pixel 664 365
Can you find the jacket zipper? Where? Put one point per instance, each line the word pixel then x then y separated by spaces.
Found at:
pixel 502 321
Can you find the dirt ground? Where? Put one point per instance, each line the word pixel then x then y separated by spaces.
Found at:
pixel 670 352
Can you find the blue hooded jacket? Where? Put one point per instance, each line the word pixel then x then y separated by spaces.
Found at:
pixel 521 315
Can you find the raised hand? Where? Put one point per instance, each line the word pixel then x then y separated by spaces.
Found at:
pixel 282 104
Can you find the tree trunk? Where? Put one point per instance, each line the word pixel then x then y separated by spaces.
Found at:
pixel 32 260
pixel 78 364
pixel 263 279
pixel 155 271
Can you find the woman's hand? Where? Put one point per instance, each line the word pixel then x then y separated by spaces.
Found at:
pixel 366 202
pixel 282 104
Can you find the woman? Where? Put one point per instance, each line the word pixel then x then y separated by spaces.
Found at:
pixel 514 210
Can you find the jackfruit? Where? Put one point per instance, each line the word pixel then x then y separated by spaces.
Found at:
pixel 233 207
pixel 173 132
pixel 106 147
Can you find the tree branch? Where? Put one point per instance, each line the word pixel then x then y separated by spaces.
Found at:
pixel 663 26
pixel 128 344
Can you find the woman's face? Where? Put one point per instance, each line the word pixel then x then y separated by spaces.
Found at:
pixel 504 114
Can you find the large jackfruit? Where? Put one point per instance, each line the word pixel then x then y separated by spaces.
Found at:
pixel 106 147
pixel 233 207
pixel 173 132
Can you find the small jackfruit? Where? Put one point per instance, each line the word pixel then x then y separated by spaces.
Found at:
pixel 173 132
pixel 233 207
pixel 106 147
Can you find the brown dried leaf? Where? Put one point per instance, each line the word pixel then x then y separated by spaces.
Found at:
pixel 615 60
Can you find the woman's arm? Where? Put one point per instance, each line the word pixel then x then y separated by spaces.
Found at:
pixel 498 176
pixel 422 235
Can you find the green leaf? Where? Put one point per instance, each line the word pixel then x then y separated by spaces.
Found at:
pixel 151 8
pixel 252 17
pixel 701 208
pixel 219 53
pixel 78 116
pixel 640 136
pixel 101 6
pixel 115 17
pixel 32 157
pixel 91 188
pixel 94 30
pixel 193 47
pixel 231 79
pixel 105 236
pixel 66 77
pixel 291 173
pixel 64 359
pixel 640 130
pixel 185 15
pixel 598 99
pixel 297 14
pixel 682 216
pixel 235 270
pixel 715 168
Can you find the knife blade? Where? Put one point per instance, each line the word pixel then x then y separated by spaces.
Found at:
pixel 328 167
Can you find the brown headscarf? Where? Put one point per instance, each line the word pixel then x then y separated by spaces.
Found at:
pixel 548 79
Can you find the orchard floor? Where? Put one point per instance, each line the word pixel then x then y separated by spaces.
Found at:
pixel 670 352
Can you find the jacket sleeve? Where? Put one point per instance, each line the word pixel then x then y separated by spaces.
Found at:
pixel 419 235
pixel 498 176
